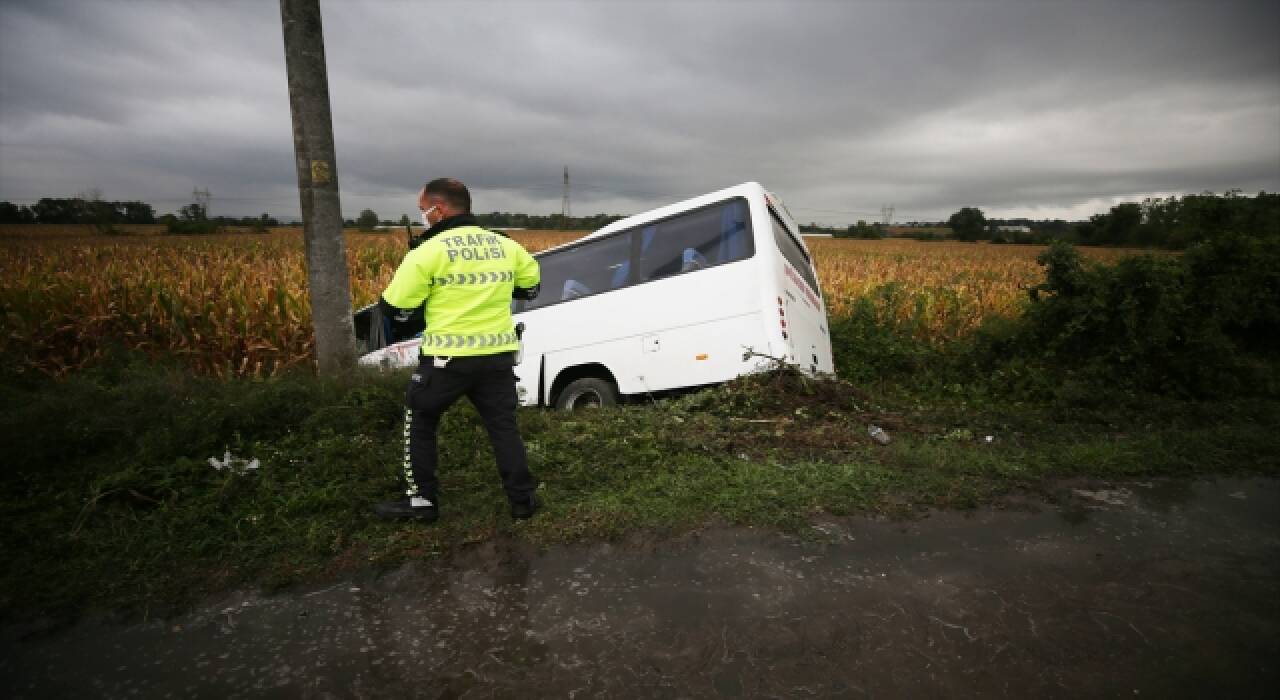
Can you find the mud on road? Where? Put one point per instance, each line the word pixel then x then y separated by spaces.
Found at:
pixel 1141 589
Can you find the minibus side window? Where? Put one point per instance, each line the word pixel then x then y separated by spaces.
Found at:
pixel 582 270
pixel 793 252
pixel 696 240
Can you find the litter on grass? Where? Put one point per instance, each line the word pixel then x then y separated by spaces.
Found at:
pixel 237 465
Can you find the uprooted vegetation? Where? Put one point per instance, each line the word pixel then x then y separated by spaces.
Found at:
pixel 783 411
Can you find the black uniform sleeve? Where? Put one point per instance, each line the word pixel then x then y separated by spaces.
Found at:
pixel 392 312
pixel 526 293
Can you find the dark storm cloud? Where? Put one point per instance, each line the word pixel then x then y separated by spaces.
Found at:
pixel 1046 108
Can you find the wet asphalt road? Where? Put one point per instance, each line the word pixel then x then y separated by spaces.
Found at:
pixel 1145 589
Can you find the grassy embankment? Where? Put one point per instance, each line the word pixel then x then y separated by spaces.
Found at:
pixel 110 499
pixel 113 501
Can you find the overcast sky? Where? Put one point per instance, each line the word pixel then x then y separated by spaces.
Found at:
pixel 1021 108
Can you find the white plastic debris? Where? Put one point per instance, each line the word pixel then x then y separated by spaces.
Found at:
pixel 236 465
pixel 878 434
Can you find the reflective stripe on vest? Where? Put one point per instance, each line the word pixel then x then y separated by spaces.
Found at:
pixel 473 278
pixel 485 340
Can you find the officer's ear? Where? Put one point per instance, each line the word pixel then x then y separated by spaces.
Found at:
pixel 445 208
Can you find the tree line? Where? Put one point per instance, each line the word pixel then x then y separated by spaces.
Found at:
pixel 553 222
pixel 193 218
pixel 104 215
pixel 77 210
pixel 1171 222
pixel 368 220
pixel 1161 222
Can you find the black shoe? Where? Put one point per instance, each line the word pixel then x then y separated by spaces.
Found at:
pixel 525 509
pixel 403 509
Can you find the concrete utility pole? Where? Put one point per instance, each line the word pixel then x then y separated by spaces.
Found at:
pixel 327 275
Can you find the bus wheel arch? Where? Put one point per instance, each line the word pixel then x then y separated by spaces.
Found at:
pixel 583 386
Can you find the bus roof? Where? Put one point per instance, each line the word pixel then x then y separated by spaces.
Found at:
pixel 746 189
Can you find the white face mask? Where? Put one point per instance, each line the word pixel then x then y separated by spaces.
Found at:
pixel 426 222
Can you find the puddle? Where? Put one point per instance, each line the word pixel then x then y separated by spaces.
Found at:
pixel 1111 497
pixel 1157 588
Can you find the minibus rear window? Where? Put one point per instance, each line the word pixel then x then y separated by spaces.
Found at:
pixel 792 251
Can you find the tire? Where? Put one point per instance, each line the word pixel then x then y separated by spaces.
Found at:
pixel 586 393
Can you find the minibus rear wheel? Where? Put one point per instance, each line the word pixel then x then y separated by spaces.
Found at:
pixel 588 392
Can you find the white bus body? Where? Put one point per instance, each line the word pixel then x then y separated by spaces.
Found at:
pixel 676 297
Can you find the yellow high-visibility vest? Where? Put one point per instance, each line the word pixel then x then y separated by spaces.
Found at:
pixel 465 275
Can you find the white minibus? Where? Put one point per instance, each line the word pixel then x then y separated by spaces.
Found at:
pixel 686 295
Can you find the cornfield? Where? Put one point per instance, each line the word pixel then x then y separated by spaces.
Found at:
pixel 940 290
pixel 236 304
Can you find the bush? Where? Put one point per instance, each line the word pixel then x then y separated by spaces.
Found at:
pixel 1195 326
pixel 862 230
pixel 874 341
pixel 183 227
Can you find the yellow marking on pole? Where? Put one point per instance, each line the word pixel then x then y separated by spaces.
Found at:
pixel 320 173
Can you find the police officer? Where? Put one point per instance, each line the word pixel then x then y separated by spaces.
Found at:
pixel 467 277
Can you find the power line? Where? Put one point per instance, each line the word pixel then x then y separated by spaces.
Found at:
pixel 867 214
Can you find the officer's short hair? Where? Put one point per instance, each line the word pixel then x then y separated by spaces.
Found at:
pixel 451 191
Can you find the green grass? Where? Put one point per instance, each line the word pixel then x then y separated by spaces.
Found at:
pixel 110 502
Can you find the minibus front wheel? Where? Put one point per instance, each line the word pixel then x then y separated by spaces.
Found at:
pixel 586 393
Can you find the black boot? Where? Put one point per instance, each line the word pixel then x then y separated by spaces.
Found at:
pixel 405 509
pixel 525 509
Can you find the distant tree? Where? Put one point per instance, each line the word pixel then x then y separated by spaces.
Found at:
pixel 194 212
pixel 368 220
pixel 13 214
pixel 192 218
pixel 260 224
pixel 51 210
pixel 1122 227
pixel 550 221
pixel 138 213
pixel 969 224
pixel 97 213
pixel 863 230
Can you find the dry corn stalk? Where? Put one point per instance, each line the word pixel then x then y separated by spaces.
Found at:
pixel 237 304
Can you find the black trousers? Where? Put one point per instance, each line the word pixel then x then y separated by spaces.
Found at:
pixel 489 383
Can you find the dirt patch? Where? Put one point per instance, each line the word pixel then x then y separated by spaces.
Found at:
pixel 1168 589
